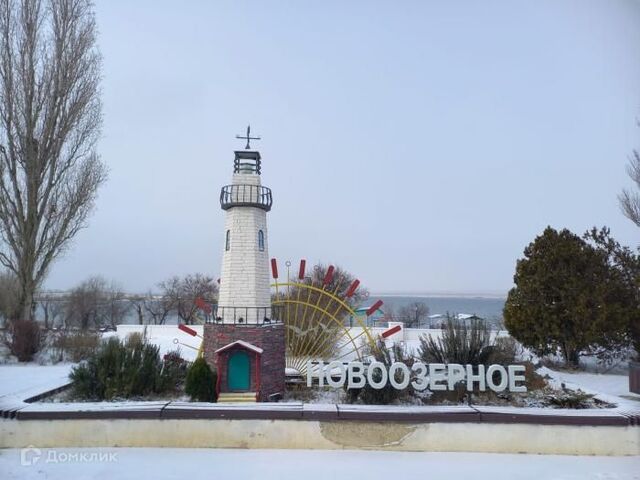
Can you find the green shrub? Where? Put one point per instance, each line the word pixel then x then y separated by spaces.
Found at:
pixel 174 371
pixel 119 369
pixel 200 384
pixel 533 380
pixel 576 399
pixel 86 384
pixel 387 394
pixel 460 343
pixel 504 351
pixel 467 344
pixel 135 339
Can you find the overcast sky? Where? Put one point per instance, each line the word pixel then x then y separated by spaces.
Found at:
pixel 420 145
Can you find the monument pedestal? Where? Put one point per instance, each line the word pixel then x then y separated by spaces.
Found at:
pixel 248 358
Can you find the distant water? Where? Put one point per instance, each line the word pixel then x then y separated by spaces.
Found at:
pixel 489 308
pixel 486 307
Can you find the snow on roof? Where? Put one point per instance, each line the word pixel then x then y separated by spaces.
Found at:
pixel 240 343
pixel 365 307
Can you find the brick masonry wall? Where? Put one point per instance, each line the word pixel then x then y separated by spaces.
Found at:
pixel 272 361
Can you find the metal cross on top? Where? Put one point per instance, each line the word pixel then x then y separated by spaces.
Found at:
pixel 248 138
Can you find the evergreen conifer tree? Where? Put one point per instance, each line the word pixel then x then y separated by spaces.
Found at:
pixel 567 298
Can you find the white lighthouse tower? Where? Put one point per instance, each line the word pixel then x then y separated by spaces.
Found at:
pixel 244 295
pixel 245 341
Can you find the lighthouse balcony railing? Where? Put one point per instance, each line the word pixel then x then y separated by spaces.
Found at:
pixel 246 196
pixel 246 315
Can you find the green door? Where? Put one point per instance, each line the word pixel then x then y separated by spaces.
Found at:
pixel 238 372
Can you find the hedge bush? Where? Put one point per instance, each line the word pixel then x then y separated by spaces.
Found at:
pixel 387 394
pixel 200 384
pixel 460 343
pixel 118 369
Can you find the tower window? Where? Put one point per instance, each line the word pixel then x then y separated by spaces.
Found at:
pixel 261 240
pixel 227 241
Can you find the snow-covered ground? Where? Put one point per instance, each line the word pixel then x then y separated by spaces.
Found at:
pixel 135 464
pixel 608 387
pixel 167 337
pixel 21 381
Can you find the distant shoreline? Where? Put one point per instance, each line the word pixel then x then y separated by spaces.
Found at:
pixel 493 296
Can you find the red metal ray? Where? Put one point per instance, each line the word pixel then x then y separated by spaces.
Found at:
pixel 328 276
pixel 391 331
pixel 352 288
pixel 374 307
pixel 187 330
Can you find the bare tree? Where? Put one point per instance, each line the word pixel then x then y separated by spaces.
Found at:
pixel 50 119
pixel 183 292
pixel 389 314
pixel 114 305
pixel 84 304
pixel 159 307
pixel 52 306
pixel 96 302
pixel 630 201
pixel 136 302
pixel 413 314
pixel 9 294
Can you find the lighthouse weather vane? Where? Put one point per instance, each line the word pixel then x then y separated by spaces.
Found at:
pixel 248 138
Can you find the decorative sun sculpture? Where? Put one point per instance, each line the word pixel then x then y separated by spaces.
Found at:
pixel 319 318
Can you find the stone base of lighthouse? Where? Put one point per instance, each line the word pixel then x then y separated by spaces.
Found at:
pixel 248 358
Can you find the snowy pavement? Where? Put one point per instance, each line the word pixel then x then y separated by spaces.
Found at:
pixel 608 387
pixel 610 384
pixel 21 381
pixel 137 463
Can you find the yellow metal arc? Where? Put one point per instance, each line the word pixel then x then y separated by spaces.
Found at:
pixel 322 310
pixel 334 297
pixel 317 289
pixel 311 320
